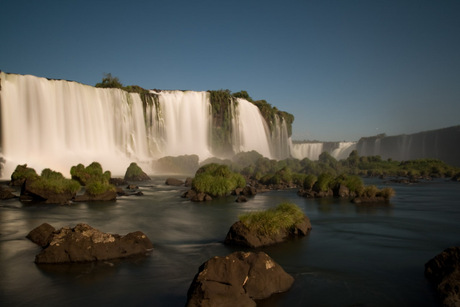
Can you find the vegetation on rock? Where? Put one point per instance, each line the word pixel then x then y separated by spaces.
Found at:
pixel 135 173
pixel 22 173
pixel 55 182
pixel 270 222
pixel 93 178
pixel 217 180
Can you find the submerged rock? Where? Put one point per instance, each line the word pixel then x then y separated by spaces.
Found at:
pixel 84 243
pixel 237 280
pixel 444 272
pixel 240 234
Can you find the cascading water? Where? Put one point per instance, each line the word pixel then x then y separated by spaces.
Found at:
pixel 306 150
pixel 57 124
pixel 343 150
pixel 250 131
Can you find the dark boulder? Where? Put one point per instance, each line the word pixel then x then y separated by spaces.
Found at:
pixel 6 193
pixel 444 272
pixel 174 182
pixel 199 197
pixel 237 280
pixel 189 194
pixel 249 191
pixel 41 235
pixel 240 234
pixel 84 243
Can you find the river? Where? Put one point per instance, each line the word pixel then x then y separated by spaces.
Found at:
pixel 354 255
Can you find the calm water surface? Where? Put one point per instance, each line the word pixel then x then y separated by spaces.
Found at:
pixel 355 255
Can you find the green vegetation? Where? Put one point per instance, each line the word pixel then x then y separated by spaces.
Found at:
pixel 22 173
pixel 93 178
pixel 217 180
pixel 134 170
pixel 55 182
pixel 270 222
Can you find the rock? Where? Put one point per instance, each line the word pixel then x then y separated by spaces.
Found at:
pixel 249 191
pixel 188 182
pixel 241 199
pixel 444 272
pixel 118 181
pixel 41 235
pixel 84 243
pixel 240 234
pixel 189 194
pixel 135 173
pixel 6 193
pixel 174 182
pixel 198 197
pixel 132 187
pixel 237 280
pixel 341 190
pixel 42 194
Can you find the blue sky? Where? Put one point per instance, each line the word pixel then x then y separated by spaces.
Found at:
pixel 345 69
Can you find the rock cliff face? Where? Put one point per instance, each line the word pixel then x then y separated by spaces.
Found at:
pixel 436 144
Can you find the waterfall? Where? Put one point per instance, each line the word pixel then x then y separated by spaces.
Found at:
pixel 57 124
pixel 343 150
pixel 306 150
pixel 250 131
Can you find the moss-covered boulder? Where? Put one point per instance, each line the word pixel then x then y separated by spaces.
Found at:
pixel 135 173
pixel 51 187
pixel 21 173
pixel 96 182
pixel 262 228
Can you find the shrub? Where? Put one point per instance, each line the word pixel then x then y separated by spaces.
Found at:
pixel 386 193
pixel 270 222
pixel 323 183
pixel 217 180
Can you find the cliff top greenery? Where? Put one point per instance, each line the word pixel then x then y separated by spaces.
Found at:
pixel 272 221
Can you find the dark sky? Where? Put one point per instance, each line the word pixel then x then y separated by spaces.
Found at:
pixel 345 69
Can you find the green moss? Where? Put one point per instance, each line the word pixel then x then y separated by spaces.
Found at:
pixel 55 182
pixel 134 170
pixel 22 172
pixel 93 177
pixel 270 222
pixel 217 180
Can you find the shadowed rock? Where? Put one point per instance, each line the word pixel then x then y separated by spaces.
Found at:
pixel 444 272
pixel 84 243
pixel 237 280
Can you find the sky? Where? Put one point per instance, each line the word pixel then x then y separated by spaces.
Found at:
pixel 344 68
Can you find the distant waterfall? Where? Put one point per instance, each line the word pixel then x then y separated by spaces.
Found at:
pixel 56 124
pixel 312 151
pixel 306 150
